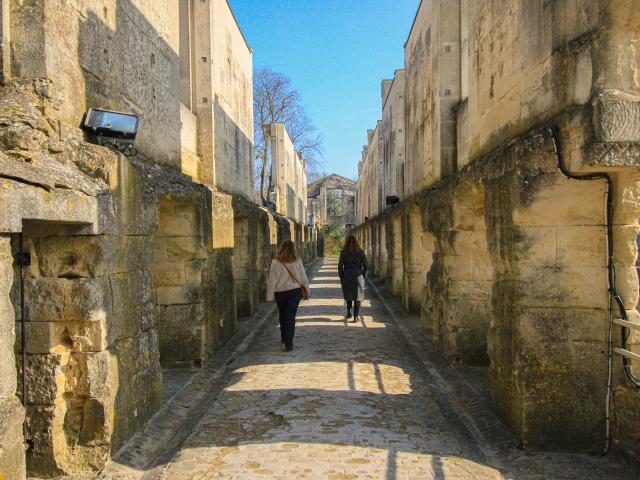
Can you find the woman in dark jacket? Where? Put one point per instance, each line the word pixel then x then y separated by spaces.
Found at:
pixel 352 269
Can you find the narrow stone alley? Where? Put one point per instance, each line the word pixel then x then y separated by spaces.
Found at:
pixel 352 401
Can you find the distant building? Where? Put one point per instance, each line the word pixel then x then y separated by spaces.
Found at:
pixel 288 175
pixel 331 201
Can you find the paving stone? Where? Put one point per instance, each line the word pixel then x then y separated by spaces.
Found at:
pixel 349 402
pixel 366 400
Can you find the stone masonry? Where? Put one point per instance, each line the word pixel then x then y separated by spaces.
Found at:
pixel 133 263
pixel 364 400
pixel 331 201
pixel 502 255
pixel 288 175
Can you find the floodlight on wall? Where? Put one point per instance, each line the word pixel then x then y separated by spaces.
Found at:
pixel 115 130
pixel 392 200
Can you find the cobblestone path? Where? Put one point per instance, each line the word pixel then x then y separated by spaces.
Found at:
pixel 349 402
pixel 365 400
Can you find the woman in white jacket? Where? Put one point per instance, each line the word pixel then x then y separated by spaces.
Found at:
pixel 288 284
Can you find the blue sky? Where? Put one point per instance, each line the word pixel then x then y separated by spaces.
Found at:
pixel 336 53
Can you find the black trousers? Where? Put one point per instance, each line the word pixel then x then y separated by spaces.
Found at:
pixel 288 307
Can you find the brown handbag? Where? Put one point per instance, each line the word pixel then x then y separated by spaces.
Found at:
pixel 305 291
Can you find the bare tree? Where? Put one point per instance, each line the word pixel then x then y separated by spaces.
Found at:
pixel 276 100
pixel 316 175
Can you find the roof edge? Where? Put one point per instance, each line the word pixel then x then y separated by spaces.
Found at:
pixel 332 175
pixel 413 24
pixel 239 28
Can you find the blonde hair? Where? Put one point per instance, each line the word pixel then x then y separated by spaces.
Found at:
pixel 287 252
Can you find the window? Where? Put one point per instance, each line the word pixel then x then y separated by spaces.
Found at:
pixel 334 202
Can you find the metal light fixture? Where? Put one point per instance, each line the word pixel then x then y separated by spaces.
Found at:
pixel 115 130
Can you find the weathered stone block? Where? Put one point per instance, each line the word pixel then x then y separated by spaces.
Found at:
pixel 168 274
pixel 537 246
pixel 222 216
pixel 626 419
pixel 563 202
pixel 616 117
pixel 482 268
pixel 134 254
pixel 137 366
pixel 469 216
pixel 178 295
pixel 469 290
pixel 67 437
pixel 12 459
pixel 559 286
pixel 180 328
pixel 88 299
pixel 45 298
pixel 68 257
pixel 177 221
pixel 626 246
pixel 45 378
pixel 627 284
pixel 459 267
pixel 159 251
pixel 62 337
pixel 130 289
pixel 193 272
pixel 7 360
pixel 592 246
pixel 39 432
pixel 466 326
pixel 559 411
pixel 146 313
pixel 66 206
pixel 184 248
pixel 562 325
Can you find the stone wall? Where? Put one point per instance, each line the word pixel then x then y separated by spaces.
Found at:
pixel 12 463
pixel 131 264
pixel 432 89
pixel 393 136
pixel 117 54
pixel 197 307
pixel 326 206
pixel 232 102
pixel 288 176
pixel 179 258
pixel 92 342
pixel 497 277
pixel 370 186
pixel 183 67
pixel 504 256
pixel 132 259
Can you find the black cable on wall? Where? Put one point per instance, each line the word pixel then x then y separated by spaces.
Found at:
pixel 611 270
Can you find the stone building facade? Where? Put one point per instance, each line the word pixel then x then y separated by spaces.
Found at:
pixel 500 251
pixel 370 186
pixel 393 143
pixel 381 172
pixel 332 201
pixel 117 266
pixel 288 175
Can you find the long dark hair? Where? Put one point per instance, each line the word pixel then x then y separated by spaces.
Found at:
pixel 351 245
pixel 287 252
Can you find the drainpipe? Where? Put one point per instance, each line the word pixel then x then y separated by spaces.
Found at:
pixel 552 130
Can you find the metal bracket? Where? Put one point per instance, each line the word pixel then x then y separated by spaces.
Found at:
pixel 23 259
